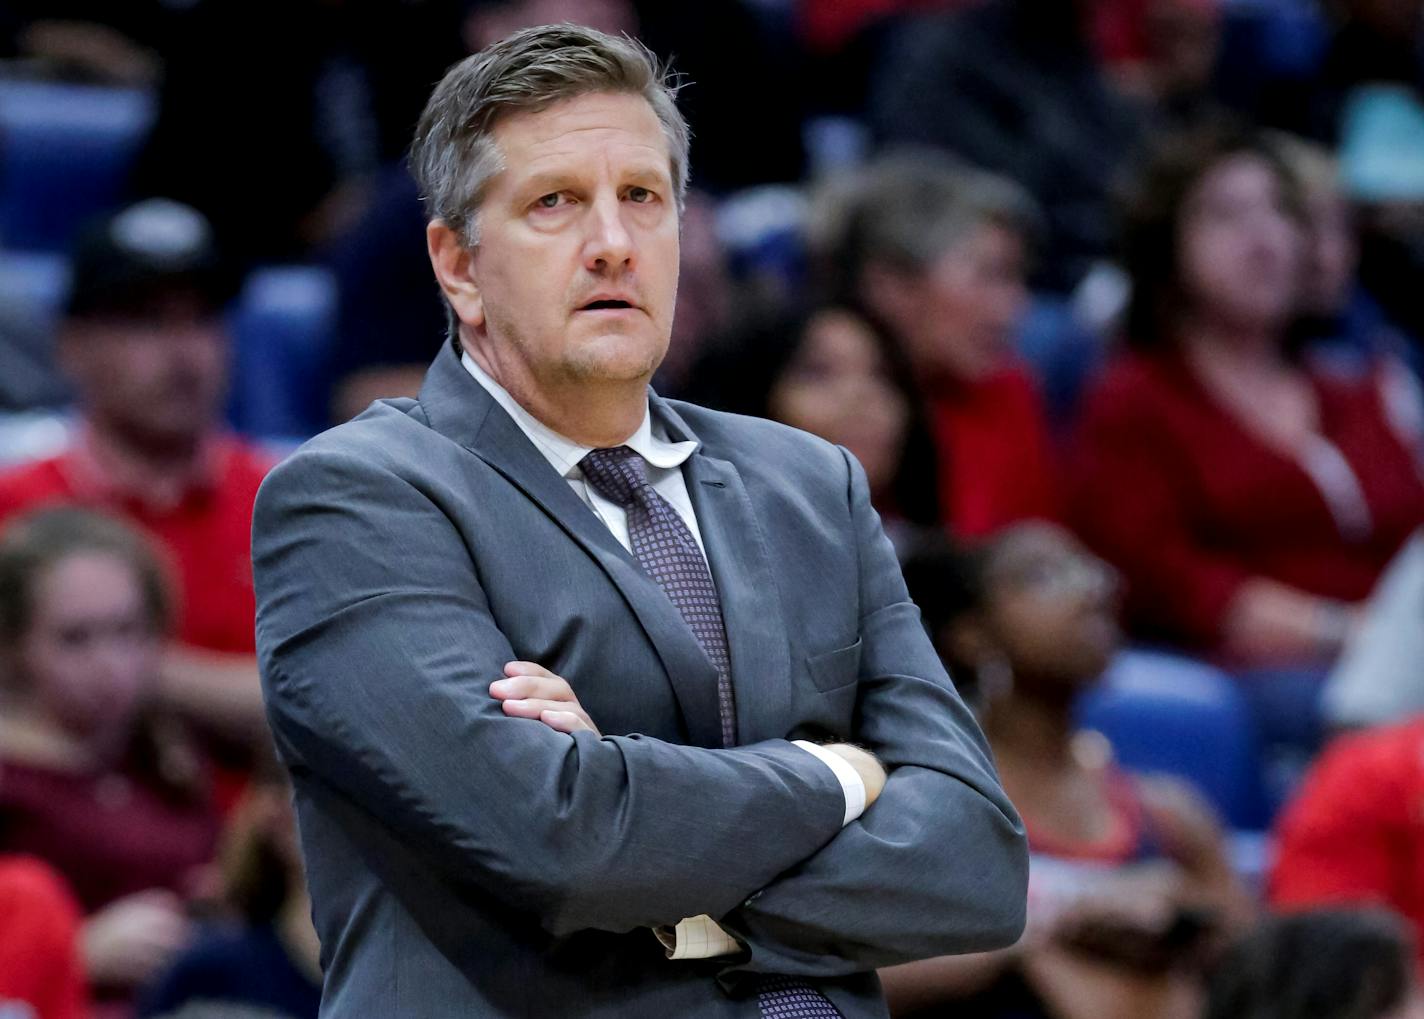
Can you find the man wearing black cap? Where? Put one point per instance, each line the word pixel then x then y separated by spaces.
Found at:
pixel 143 345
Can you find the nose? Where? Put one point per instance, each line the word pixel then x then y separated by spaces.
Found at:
pixel 609 244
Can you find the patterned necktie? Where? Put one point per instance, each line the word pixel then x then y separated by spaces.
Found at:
pixel 669 554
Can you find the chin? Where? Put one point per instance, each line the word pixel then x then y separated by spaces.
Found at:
pixel 619 361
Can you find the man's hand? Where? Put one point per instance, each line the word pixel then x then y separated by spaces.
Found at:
pixel 532 691
pixel 870 770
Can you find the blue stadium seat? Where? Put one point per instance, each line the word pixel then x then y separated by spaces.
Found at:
pixel 1063 354
pixel 33 285
pixel 1172 715
pixel 282 326
pixel 68 150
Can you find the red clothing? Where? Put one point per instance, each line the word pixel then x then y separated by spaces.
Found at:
pixel 994 463
pixel 109 834
pixel 1188 503
pixel 40 964
pixel 1355 832
pixel 829 24
pixel 1129 839
pixel 206 535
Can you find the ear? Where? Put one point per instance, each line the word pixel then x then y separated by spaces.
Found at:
pixel 453 264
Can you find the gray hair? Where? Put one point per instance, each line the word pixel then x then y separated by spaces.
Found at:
pixel 454 155
pixel 906 210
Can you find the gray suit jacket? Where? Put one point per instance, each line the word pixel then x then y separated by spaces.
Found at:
pixel 464 863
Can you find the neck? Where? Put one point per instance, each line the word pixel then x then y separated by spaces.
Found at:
pixel 299 937
pixel 598 414
pixel 29 737
pixel 1245 346
pixel 120 447
pixel 1031 730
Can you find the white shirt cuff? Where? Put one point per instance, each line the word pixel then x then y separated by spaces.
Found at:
pixel 697 937
pixel 849 778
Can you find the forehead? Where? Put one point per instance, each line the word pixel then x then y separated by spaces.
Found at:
pixel 1032 544
pixel 1242 174
pixel 85 582
pixel 584 131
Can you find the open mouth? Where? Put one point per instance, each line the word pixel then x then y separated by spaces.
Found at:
pixel 607 306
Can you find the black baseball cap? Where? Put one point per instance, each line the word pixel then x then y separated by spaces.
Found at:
pixel 128 263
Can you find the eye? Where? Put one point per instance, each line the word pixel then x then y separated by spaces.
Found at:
pixel 640 195
pixel 550 201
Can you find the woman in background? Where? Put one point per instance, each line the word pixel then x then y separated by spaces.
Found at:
pixel 90 781
pixel 1250 500
pixel 939 253
pixel 833 372
pixel 1128 877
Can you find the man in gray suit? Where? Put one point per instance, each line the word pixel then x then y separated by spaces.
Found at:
pixel 566 674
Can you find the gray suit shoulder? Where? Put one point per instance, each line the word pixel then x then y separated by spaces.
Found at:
pixel 381 426
pixel 384 436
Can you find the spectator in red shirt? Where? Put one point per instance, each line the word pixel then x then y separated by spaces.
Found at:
pixel 938 255
pixel 93 779
pixel 1354 834
pixel 144 348
pixel 41 972
pixel 1251 498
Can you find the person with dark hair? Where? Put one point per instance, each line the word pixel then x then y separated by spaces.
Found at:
pixel 1250 500
pixel 92 779
pixel 937 254
pixel 437 577
pixel 266 955
pixel 144 345
pixel 1128 876
pixel 1320 964
pixel 832 371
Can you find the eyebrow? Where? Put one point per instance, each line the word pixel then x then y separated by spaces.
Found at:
pixel 549 181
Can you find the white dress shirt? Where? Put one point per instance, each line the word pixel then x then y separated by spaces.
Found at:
pixel 694 938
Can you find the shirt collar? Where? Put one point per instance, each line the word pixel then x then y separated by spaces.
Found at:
pixel 563 453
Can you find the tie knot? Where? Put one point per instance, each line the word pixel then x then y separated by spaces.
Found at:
pixel 616 473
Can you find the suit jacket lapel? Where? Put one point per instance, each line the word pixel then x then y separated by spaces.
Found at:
pixel 746 585
pixel 458 407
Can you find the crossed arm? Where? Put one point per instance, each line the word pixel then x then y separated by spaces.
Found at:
pixel 377 647
pixel 950 871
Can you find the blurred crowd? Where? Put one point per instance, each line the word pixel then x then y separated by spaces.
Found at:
pixel 1116 301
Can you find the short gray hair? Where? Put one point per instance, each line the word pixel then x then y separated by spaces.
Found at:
pixel 904 210
pixel 454 156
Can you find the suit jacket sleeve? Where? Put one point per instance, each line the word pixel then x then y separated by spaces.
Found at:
pixel 939 863
pixel 377 648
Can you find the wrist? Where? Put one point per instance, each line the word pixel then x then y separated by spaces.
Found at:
pixel 866 765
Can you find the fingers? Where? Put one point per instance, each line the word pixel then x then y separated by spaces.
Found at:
pixel 531 691
pixel 548 688
pixel 536 709
pixel 567 721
